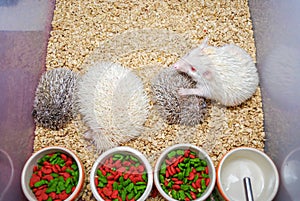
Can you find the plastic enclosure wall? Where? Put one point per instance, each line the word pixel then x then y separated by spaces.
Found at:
pixel 276 30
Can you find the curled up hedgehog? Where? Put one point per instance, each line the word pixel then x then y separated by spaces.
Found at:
pixel 176 109
pixel 55 102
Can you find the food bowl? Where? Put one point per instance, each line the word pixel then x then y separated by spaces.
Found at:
pixel 121 172
pixel 247 162
pixel 53 171
pixel 184 171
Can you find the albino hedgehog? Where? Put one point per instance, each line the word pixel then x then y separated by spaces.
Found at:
pixel 226 74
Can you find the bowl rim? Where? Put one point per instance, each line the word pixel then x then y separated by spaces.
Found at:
pixel 265 156
pixel 110 151
pixel 81 178
pixel 205 155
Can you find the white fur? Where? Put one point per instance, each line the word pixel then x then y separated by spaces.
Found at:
pixel 226 74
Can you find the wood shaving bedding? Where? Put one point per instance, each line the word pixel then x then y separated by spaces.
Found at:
pixel 145 36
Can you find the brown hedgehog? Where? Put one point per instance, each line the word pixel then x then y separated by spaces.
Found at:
pixel 55 101
pixel 176 109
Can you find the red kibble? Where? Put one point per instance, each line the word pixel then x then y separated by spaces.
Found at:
pixel 176 187
pixel 126 163
pixel 52 195
pixel 63 195
pixel 192 156
pixel 178 182
pixel 39 173
pixel 193 195
pixel 206 170
pixel 46 170
pixel 198 183
pixel 35 168
pixel 48 177
pixel 207 180
pixel 66 175
pixel 107 191
pixel 96 181
pixel 69 163
pixel 34 178
pixel 191 176
pixel 114 194
pixel 141 168
pixel 64 157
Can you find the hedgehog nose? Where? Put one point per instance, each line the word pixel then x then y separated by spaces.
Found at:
pixel 175 66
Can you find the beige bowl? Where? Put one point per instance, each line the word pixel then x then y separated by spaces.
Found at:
pixel 201 154
pixel 32 161
pixel 247 162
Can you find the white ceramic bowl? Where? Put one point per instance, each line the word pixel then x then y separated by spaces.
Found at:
pixel 247 162
pixel 201 154
pixel 124 150
pixel 32 161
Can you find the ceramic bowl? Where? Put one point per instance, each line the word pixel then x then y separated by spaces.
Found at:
pixel 165 155
pixel 32 161
pixel 115 162
pixel 247 162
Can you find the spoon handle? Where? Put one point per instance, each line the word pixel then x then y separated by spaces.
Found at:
pixel 248 189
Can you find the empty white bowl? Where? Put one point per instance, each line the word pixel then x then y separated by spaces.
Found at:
pixel 247 162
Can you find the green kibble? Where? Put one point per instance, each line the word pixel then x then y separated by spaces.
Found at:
pixel 40 183
pixel 123 195
pixel 69 189
pixel 188 195
pixel 200 168
pixel 161 178
pixel 102 179
pixel 49 199
pixel 130 195
pixel 145 177
pixel 180 152
pixel 74 166
pixel 203 163
pixel 171 154
pixel 173 193
pixel 99 173
pixel 100 184
pixel 138 195
pixel 134 159
pixel 115 185
pixel 130 187
pixel 181 194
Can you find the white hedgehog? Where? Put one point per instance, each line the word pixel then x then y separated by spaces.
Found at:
pixel 113 104
pixel 226 74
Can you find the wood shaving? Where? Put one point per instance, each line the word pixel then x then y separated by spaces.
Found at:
pixel 85 31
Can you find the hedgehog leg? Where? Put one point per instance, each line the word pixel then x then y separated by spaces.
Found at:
pixel 193 91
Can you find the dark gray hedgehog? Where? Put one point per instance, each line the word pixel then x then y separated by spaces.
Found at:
pixel 176 109
pixel 54 103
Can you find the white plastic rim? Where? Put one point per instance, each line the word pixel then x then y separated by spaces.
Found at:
pixel 122 149
pixel 202 155
pixel 247 162
pixel 32 161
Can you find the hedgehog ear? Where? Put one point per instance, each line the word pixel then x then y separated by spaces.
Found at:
pixel 203 44
pixel 207 74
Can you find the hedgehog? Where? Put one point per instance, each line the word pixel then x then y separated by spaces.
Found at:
pixel 112 103
pixel 176 109
pixel 55 102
